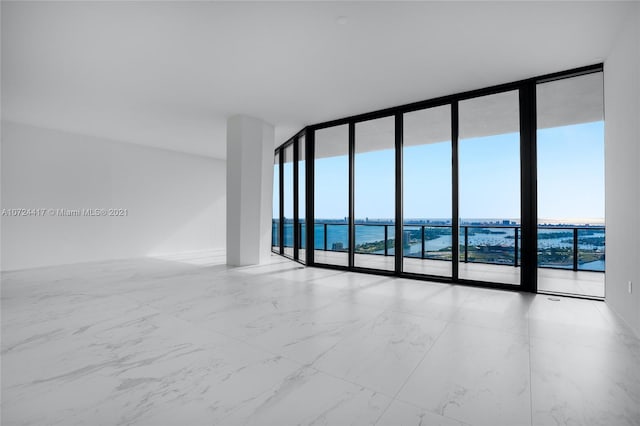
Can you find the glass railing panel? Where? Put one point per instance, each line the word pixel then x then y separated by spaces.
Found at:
pixel 331 243
pixel 319 237
pixel 462 245
pixel 371 239
pixel 338 237
pixel 437 243
pixel 427 249
pixel 302 231
pixel 391 241
pixel 555 248
pixel 495 245
pixel 288 237
pixel 302 242
pixel 275 228
pixel 412 241
pixel 375 246
pixel 591 249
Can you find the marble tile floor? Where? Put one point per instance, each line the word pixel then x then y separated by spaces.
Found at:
pixel 177 342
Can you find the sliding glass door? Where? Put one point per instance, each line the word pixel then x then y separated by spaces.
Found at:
pixel 287 194
pixel 500 187
pixel 374 194
pixel 331 192
pixel 275 222
pixel 301 223
pixel 426 232
pixel 489 188
pixel 570 139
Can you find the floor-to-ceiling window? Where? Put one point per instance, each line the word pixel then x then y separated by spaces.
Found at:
pixel 489 189
pixel 374 194
pixel 427 162
pixel 287 195
pixel 302 222
pixel 288 200
pixel 331 196
pixel 499 186
pixel 570 166
pixel 275 223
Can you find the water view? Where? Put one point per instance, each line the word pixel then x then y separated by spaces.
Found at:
pixel 480 241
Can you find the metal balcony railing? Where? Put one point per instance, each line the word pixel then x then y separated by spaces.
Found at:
pixel 579 248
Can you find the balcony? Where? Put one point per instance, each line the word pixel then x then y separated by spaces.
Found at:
pixel 571 259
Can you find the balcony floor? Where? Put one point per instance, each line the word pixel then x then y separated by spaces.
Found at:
pixel 582 283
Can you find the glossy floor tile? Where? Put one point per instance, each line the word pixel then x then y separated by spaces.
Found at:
pixel 186 340
pixel 476 375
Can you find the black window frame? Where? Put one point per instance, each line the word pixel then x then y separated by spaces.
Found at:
pixel 528 170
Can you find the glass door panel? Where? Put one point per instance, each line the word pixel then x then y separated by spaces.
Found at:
pixel 489 188
pixel 427 192
pixel 570 166
pixel 275 222
pixel 302 231
pixel 331 196
pixel 374 194
pixel 288 201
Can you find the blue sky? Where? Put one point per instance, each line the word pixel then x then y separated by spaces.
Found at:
pixel 571 171
pixel 570 178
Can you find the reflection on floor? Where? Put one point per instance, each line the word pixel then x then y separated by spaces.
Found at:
pixel 167 342
pixel 582 283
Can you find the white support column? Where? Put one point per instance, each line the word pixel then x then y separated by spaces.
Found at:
pixel 250 145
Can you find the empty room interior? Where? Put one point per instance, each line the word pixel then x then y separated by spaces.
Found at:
pixel 320 213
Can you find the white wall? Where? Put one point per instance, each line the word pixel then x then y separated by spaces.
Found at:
pixel 175 202
pixel 622 157
pixel 249 190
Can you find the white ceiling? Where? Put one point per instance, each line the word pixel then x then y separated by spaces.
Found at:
pixel 558 103
pixel 168 74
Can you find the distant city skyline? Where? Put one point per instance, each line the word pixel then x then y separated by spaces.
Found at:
pixel 487 221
